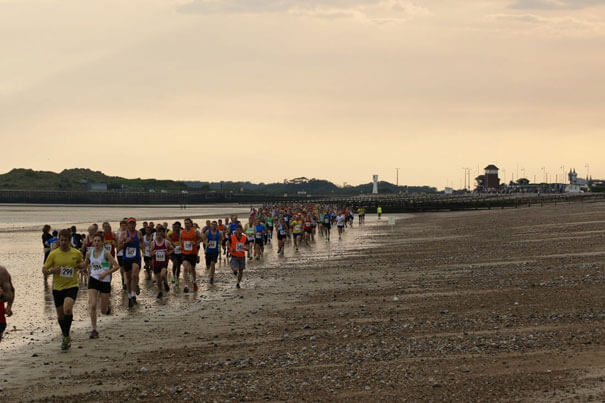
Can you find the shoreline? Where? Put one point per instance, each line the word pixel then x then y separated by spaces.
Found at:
pixel 442 307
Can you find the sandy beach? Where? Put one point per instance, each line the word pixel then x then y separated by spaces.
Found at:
pixel 467 306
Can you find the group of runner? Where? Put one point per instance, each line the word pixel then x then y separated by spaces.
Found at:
pixel 92 259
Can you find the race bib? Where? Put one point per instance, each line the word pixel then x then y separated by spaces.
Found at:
pixel 108 247
pixel 327 220
pixel 212 244
pixel 160 255
pixel 259 235
pixel 147 253
pixel 297 227
pixel 66 272
pixel 96 268
pixel 131 252
pixel 239 247
pixel 177 249
pixel 188 246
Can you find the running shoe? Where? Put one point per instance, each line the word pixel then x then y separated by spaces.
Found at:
pixel 66 344
pixel 186 289
pixel 94 334
pixel 237 285
pixel 160 295
pixel 177 283
pixel 195 287
pixel 172 281
pixel 124 286
pixel 211 281
pixel 166 287
pixel 130 302
pixel 138 290
pixel 108 311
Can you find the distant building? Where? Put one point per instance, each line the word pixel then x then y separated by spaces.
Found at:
pixel 96 187
pixel 489 180
pixel 574 180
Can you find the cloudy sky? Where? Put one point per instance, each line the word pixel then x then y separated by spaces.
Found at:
pixel 264 90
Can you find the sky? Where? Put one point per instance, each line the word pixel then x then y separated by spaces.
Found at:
pixel 264 90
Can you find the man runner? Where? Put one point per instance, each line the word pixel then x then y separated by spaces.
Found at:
pixel 131 243
pixel 7 294
pixel 238 247
pixel 213 238
pixel 63 264
pixel 190 241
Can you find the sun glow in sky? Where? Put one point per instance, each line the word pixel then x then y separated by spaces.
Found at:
pixel 263 90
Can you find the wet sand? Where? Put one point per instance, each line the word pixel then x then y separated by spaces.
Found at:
pixel 466 306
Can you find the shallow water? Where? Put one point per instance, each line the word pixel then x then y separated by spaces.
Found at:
pixel 34 312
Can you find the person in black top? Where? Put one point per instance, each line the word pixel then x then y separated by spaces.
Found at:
pixel 76 239
pixel 46 236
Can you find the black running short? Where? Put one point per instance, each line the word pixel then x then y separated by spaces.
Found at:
pixel 211 257
pixel 192 259
pixel 104 287
pixel 177 258
pixel 60 295
pixel 128 264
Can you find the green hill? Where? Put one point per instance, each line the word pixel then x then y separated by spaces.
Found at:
pixel 80 178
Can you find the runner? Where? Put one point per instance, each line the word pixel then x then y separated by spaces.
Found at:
pixel 296 226
pixel 147 241
pixel 109 239
pixel 87 246
pixel 120 252
pixel 7 294
pixel 63 263
pixel 282 235
pixel 76 239
pixel 340 223
pixel 327 224
pixel 131 243
pixel 222 229
pixel 46 236
pixel 213 238
pixel 190 240
pixel 250 231
pixel 161 249
pixel 379 211
pixel 101 264
pixel 308 228
pixel 259 238
pixel 269 226
pixel 176 257
pixel 238 247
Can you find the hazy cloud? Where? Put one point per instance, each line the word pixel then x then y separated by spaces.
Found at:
pixel 555 4
pixel 558 26
pixel 376 10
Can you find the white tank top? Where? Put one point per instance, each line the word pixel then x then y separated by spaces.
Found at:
pixel 99 265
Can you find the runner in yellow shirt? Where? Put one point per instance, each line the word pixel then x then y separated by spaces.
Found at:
pixel 297 229
pixel 63 263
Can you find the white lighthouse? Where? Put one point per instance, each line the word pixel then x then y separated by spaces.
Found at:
pixel 375 187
